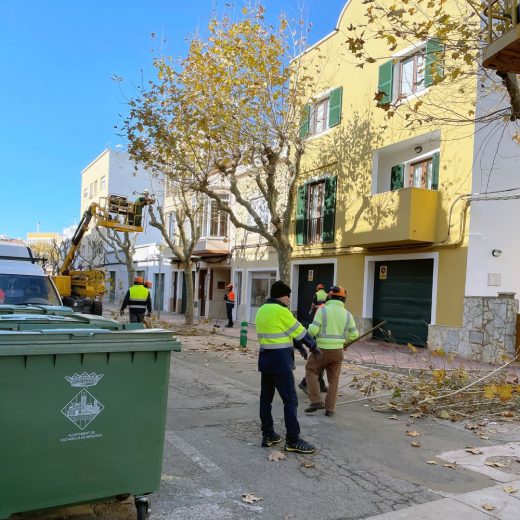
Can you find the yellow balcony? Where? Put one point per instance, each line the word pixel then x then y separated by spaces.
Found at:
pixel 405 216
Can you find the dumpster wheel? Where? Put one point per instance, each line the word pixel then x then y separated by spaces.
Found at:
pixel 142 505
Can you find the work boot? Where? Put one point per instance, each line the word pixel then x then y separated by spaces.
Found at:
pixel 269 440
pixel 323 386
pixel 303 385
pixel 329 413
pixel 313 407
pixel 229 326
pixel 300 446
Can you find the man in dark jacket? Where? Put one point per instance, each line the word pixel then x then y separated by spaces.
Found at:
pixel 138 300
pixel 277 328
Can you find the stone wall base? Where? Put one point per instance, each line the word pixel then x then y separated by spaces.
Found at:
pixel 488 332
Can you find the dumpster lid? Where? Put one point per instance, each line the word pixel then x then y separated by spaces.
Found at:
pixel 24 313
pixel 85 340
pixel 35 309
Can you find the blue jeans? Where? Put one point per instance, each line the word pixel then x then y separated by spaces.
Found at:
pixel 284 383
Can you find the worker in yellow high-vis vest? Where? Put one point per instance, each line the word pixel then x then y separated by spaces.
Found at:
pixel 138 300
pixel 278 330
pixel 332 327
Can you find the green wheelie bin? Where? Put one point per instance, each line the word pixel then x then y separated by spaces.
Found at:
pixel 83 410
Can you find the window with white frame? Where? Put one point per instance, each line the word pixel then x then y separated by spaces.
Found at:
pixel 259 204
pixel 409 75
pixel 323 114
pixel 85 193
pixel 412 72
pixel 319 121
pixel 215 221
pixel 422 172
pixel 91 190
pixel 172 231
pixel 315 211
pixel 102 183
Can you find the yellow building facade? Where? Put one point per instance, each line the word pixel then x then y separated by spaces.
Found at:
pixel 380 206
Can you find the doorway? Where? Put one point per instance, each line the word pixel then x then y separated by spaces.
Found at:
pixel 309 276
pixel 203 273
pixel 261 282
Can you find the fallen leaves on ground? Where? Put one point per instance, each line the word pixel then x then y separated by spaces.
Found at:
pixel 306 464
pixel 474 451
pixel 432 462
pixel 393 417
pixel 276 456
pixel 442 414
pixel 451 466
pixel 510 489
pixel 415 444
pixel 494 464
pixel 487 507
pixel 412 433
pixel 249 498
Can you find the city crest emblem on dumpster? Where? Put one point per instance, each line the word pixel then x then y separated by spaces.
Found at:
pixel 83 408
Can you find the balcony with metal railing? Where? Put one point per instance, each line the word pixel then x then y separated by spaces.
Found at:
pixel 314 230
pixel 502 52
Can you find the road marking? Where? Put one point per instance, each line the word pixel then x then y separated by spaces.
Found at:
pixel 212 469
pixel 195 455
pixel 193 366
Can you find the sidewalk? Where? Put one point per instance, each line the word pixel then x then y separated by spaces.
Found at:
pixel 365 352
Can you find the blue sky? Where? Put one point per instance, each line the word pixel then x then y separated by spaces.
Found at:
pixel 59 105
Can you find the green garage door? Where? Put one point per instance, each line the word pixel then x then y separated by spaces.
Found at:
pixel 403 297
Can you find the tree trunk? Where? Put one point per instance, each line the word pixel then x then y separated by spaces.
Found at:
pixel 188 280
pixel 284 262
pixel 130 271
pixel 510 81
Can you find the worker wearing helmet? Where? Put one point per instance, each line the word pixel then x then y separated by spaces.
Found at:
pixel 135 217
pixel 332 327
pixel 138 300
pixel 230 304
pixel 320 297
pixel 148 284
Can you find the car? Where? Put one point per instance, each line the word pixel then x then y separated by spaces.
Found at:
pixel 22 279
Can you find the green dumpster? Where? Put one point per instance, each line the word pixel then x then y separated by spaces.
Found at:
pixel 83 411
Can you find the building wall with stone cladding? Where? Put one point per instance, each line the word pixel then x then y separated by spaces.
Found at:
pixel 488 332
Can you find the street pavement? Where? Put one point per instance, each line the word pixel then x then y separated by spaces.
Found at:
pixel 365 465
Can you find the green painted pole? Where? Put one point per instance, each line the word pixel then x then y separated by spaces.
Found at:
pixel 243 334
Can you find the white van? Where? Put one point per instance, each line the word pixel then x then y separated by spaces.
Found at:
pixel 22 279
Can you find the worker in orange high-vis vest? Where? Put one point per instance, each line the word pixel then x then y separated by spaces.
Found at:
pixel 230 304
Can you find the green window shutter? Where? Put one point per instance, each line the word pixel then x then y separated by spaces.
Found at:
pixel 305 122
pixel 301 214
pixel 335 99
pixel 435 170
pixel 329 215
pixel 433 62
pixel 386 77
pixel 397 177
